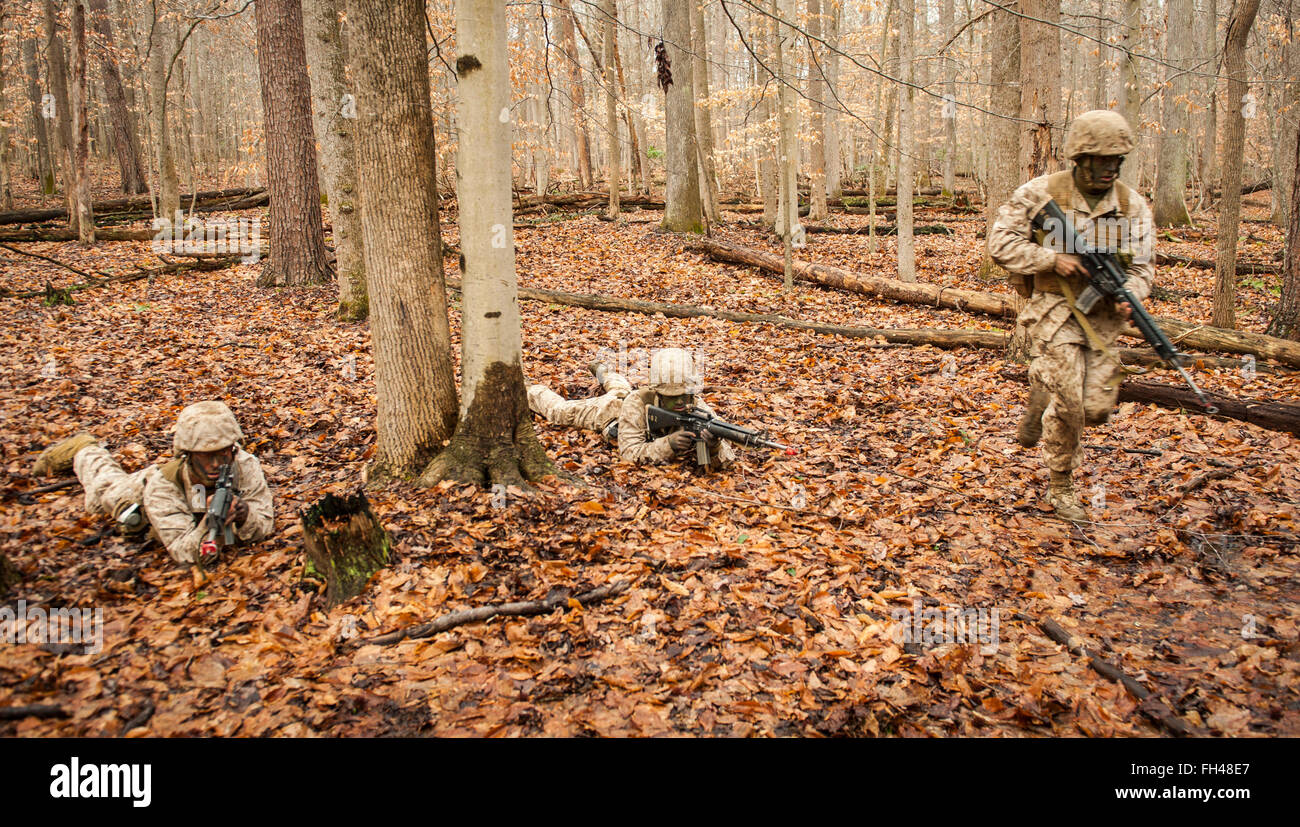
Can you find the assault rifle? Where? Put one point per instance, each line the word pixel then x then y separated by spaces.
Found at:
pixel 1108 279
pixel 699 423
pixel 218 511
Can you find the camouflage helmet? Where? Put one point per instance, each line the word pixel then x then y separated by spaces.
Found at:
pixel 1098 132
pixel 672 372
pixel 206 426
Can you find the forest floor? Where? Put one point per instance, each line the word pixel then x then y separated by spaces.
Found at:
pixel 767 601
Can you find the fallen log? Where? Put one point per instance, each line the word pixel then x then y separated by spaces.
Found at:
pixel 1005 305
pixel 956 298
pixel 200 265
pixel 14 713
pixel 1273 416
pixel 134 203
pixel 56 234
pixel 883 229
pixel 937 337
pixel 1244 268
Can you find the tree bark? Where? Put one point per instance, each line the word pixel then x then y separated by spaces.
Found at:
pixel 56 60
pixel 614 169
pixel 703 115
pixel 297 232
pixel 1286 317
pixel 770 119
pixel 125 142
pixel 44 156
pixel 1171 176
pixel 1004 140
pixel 494 441
pixel 402 242
pixel 817 208
pixel 334 118
pixel 906 144
pixel 950 113
pixel 1130 99
pixel 162 44
pixel 683 211
pixel 830 113
pixel 345 543
pixel 85 223
pixel 1209 39
pixel 577 96
pixel 1225 281
pixel 6 157
pixel 1040 86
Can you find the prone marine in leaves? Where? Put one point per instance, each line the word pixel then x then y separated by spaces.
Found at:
pixel 622 415
pixel 171 502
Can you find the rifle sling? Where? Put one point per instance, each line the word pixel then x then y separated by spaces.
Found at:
pixel 1094 339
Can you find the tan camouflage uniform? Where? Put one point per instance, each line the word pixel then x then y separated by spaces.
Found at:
pixel 1073 373
pixel 619 403
pixel 165 492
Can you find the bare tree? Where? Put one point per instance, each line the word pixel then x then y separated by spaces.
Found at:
pixel 906 144
pixel 614 172
pixel 1171 175
pixel 703 117
pixel 1004 131
pixel 80 178
pixel 577 96
pixel 1234 66
pixel 124 138
pixel 494 440
pixel 44 155
pixel 1130 99
pixel 817 206
pixel 334 116
pixel 1286 318
pixel 1040 85
pixel 162 45
pixel 297 234
pixel 402 242
pixel 683 211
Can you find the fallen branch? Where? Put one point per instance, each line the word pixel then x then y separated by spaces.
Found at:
pixel 12 713
pixel 55 261
pixel 133 204
pixel 884 229
pixel 65 234
pixel 523 608
pixel 1149 703
pixel 1244 268
pixel 201 265
pixel 937 337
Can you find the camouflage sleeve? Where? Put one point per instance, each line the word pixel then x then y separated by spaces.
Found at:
pixel 1011 241
pixel 169 514
pixel 255 493
pixel 632 438
pixel 1142 272
pixel 723 455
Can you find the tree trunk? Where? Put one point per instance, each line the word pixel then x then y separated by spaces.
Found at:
pixel 542 95
pixel 1284 168
pixel 1040 86
pixel 683 211
pixel 6 157
pixel 635 126
pixel 402 244
pixel 577 97
pixel 1171 176
pixel 830 114
pixel 297 232
pixel 787 212
pixel 44 155
pixel 334 116
pixel 1286 317
pixel 1004 140
pixel 345 543
pixel 56 60
pixel 906 144
pixel 770 120
pixel 1209 39
pixel 494 440
pixel 950 108
pixel 703 117
pixel 85 223
pixel 817 208
pixel 1130 98
pixel 614 168
pixel 124 138
pixel 162 43
pixel 1225 273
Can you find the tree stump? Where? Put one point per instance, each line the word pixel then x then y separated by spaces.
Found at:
pixel 345 543
pixel 9 576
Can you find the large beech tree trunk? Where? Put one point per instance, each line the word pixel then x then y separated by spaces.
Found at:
pixel 297 232
pixel 1130 96
pixel 906 145
pixel 402 243
pixel 1234 66
pixel 334 119
pixel 683 210
pixel 125 142
pixel 494 440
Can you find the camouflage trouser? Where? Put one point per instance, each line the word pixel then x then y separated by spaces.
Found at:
pixel 109 489
pixel 590 414
pixel 1074 376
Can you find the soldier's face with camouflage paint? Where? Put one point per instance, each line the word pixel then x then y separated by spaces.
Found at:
pixel 678 404
pixel 205 466
pixel 1096 174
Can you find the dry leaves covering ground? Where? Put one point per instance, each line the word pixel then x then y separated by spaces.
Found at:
pixel 762 602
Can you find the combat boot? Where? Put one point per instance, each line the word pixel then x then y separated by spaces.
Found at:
pixel 599 371
pixel 1030 429
pixel 57 459
pixel 1061 496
